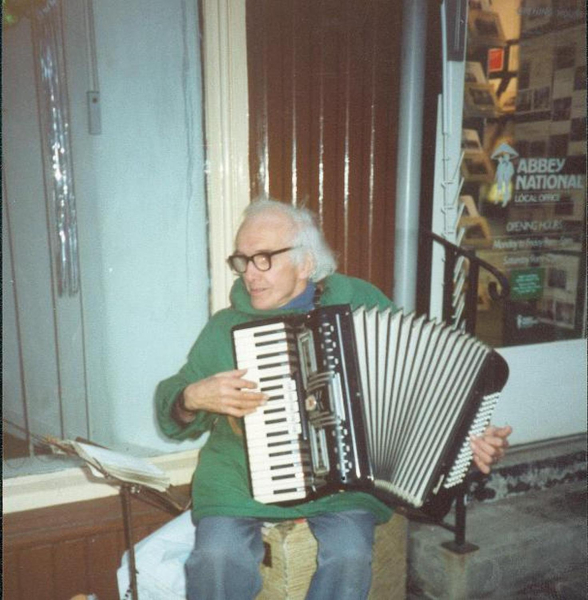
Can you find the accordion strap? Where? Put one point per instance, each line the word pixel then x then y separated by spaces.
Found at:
pixel 318 292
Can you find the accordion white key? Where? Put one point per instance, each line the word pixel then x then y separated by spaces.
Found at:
pixel 367 400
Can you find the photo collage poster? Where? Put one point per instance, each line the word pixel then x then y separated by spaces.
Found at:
pixel 524 169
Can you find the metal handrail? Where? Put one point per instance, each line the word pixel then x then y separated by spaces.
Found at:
pixel 451 253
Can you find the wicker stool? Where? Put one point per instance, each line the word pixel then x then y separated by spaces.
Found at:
pixel 290 561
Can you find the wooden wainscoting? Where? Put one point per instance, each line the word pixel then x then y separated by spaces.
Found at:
pixel 57 552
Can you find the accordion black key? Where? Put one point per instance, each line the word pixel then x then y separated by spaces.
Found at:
pixel 366 400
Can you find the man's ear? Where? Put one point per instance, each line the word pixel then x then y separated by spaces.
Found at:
pixel 308 267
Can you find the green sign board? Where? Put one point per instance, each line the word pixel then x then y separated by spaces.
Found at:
pixel 527 284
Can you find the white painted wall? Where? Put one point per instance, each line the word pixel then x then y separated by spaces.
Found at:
pixel 140 202
pixel 545 395
pixel 152 216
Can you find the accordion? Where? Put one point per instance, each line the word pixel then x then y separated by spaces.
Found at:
pixel 368 400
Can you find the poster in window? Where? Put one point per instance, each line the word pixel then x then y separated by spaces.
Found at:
pixel 530 220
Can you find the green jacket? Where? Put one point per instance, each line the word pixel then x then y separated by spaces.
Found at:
pixel 220 486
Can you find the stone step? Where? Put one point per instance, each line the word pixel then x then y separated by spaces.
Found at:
pixel 528 522
pixel 523 542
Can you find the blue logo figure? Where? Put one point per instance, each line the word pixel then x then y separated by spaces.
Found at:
pixel 504 172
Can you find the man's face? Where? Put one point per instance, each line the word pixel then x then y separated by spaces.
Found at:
pixel 285 280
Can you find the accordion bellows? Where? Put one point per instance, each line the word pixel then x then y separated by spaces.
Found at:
pixel 421 381
pixel 373 400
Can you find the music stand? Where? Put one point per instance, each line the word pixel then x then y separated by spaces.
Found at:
pixel 166 500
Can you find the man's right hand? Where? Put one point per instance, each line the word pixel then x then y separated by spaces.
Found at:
pixel 224 393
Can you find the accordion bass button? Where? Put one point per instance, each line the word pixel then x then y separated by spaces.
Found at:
pixel 311 403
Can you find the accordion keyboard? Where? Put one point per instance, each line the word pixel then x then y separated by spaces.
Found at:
pixel 278 457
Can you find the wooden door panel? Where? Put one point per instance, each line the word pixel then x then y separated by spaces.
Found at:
pixel 323 102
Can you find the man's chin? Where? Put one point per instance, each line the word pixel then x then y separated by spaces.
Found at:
pixel 259 302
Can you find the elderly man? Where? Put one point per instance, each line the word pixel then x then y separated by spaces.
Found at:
pixel 284 266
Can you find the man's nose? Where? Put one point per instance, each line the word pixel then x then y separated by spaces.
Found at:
pixel 251 270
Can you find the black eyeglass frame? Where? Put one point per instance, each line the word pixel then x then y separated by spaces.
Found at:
pixel 268 255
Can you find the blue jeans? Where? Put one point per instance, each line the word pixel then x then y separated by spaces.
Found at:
pixel 224 564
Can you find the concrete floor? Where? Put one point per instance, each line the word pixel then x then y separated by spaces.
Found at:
pixel 532 545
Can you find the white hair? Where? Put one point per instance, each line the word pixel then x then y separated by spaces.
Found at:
pixel 308 239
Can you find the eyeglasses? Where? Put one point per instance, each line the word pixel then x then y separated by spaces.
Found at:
pixel 261 260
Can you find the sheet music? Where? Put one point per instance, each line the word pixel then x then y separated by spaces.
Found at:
pixel 127 468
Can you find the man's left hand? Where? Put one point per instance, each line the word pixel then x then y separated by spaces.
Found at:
pixel 490 447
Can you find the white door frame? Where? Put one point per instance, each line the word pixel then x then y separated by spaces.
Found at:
pixel 226 110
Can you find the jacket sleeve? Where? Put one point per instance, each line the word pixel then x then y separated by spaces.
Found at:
pixel 210 354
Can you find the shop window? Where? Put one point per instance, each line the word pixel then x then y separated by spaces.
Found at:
pixel 524 165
